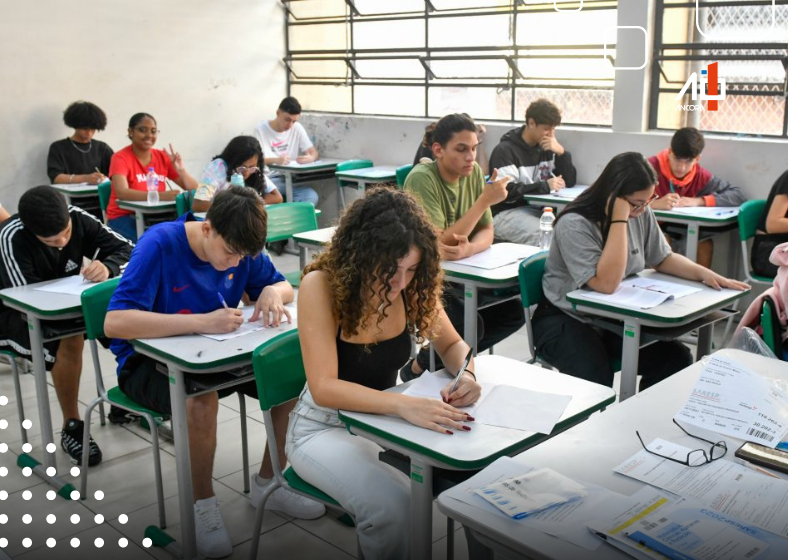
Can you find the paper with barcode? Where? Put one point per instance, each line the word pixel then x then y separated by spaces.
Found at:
pixel 732 399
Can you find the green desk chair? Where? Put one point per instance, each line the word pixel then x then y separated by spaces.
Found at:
pixel 280 376
pixel 531 272
pixel 104 192
pixel 287 219
pixel 402 174
pixel 749 215
pixel 349 165
pixel 11 356
pixel 183 202
pixel 770 323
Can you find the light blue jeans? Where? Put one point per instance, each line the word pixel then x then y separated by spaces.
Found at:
pixel 347 468
pixel 518 225
pixel 126 226
pixel 300 194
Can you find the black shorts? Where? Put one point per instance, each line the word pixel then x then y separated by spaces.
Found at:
pixel 15 335
pixel 142 382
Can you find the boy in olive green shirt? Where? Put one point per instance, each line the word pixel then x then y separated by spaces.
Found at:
pixel 457 200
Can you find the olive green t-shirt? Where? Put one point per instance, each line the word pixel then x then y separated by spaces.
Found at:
pixel 445 203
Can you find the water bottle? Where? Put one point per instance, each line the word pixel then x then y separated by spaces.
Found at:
pixel 237 180
pixel 152 181
pixel 546 229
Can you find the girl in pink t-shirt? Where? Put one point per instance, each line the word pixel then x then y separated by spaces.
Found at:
pixel 129 168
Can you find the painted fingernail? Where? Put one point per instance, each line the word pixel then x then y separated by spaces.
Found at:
pixel 449 432
pixel 448 401
pixel 466 428
pixel 469 417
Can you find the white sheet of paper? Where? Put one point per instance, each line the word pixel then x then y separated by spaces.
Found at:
pixel 708 212
pixel 248 327
pixel 498 255
pixel 72 285
pixel 571 192
pixel 722 485
pixel 661 286
pixel 294 163
pixel 731 399
pixel 644 293
pixel 429 385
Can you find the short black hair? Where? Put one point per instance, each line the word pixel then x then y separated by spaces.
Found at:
pixel 543 111
pixel 449 125
pixel 43 211
pixel 238 215
pixel 687 143
pixel 136 119
pixel 84 114
pixel 290 105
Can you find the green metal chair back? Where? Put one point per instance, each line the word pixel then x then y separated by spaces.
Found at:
pixel 531 272
pixel 279 370
pixel 183 202
pixel 289 218
pixel 749 215
pixel 95 301
pixel 104 192
pixel 402 174
pixel 770 324
pixel 351 164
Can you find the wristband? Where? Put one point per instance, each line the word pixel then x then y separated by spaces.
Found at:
pixel 469 371
pixel 619 222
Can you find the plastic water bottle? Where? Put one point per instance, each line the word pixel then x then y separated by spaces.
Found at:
pixel 152 181
pixel 237 180
pixel 546 229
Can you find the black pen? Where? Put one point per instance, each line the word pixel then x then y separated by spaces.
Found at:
pixel 462 370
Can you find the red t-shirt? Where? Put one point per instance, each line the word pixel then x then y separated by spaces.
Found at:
pixel 126 163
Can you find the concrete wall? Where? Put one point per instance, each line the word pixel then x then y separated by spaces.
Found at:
pixel 206 70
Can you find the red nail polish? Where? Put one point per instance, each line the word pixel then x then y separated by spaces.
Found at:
pixel 466 428
pixel 449 432
pixel 448 401
pixel 470 418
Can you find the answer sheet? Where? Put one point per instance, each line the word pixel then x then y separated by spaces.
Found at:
pixel 248 327
pixel 498 255
pixel 71 285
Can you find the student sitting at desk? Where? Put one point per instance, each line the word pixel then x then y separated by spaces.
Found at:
pixel 537 164
pixel 425 148
pixel 360 303
pixel 683 182
pixel 453 192
pixel 284 139
pixel 772 228
pixel 46 240
pixel 607 233
pixel 169 289
pixel 242 155
pixel 129 169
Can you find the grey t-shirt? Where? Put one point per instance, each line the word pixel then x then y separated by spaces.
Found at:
pixel 577 247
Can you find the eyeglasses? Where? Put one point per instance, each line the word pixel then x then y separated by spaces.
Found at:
pixel 145 130
pixel 695 458
pixel 243 170
pixel 637 207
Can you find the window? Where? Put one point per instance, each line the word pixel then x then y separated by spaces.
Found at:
pixel 747 40
pixel 426 58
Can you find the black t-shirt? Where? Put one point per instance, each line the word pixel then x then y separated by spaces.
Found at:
pixel 780 187
pixel 67 156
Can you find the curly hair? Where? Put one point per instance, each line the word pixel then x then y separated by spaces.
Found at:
pixel 373 235
pixel 84 114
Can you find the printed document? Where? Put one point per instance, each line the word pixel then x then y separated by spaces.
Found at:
pixel 731 399
pixel 498 255
pixel 71 285
pixel 249 327
pixel 570 192
pixel 708 212
pixel 644 293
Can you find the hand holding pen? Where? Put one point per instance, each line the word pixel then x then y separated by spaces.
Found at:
pixel 95 271
pixel 224 320
pixel 463 390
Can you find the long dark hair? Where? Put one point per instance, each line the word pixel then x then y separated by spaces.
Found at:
pixel 240 149
pixel 625 174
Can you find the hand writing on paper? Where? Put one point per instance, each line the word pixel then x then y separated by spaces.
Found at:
pixel 556 183
pixel 462 249
pixel 468 391
pixel 224 320
pixel 96 178
pixel 667 202
pixel 433 415
pixel 284 159
pixel 686 201
pixel 95 272
pixel 270 308
pixel 177 160
pixel 305 159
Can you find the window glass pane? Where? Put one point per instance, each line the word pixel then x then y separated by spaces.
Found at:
pixel 323 8
pixel 557 68
pixel 469 4
pixel 371 7
pixel 578 106
pixel 480 103
pixel 305 69
pixel 470 68
pixel 488 31
pixel 390 68
pixel 318 37
pixel 395 34
pixel 390 100
pixel 565 28
pixel 323 98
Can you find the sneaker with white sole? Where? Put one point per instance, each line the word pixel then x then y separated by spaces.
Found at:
pixel 212 538
pixel 71 442
pixel 285 501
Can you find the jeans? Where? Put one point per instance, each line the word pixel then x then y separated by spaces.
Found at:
pixel 300 194
pixel 347 468
pixel 126 226
pixel 518 225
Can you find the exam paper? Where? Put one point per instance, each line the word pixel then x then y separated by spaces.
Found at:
pixel 724 486
pixel 731 399
pixel 498 255
pixel 644 293
pixel 71 285
pixel 248 327
pixel 570 192
pixel 708 212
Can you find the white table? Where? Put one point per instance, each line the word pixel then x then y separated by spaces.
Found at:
pixel 363 177
pixel 589 452
pixel 74 193
pixel 694 311
pixel 141 208
pixel 197 354
pixel 297 171
pixel 42 306
pixel 472 278
pixel 313 240
pixel 477 448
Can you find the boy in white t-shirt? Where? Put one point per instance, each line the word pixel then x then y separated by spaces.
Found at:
pixel 284 140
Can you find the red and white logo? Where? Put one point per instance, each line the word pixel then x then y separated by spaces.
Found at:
pixel 698 91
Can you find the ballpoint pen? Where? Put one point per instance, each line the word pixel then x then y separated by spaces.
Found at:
pixel 461 371
pixel 95 255
pixel 221 299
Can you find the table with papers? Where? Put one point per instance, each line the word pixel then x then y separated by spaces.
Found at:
pixel 605 456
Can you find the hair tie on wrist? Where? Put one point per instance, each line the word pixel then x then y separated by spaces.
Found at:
pixel 469 371
pixel 619 222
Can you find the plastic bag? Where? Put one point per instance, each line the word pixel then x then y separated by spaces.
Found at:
pixel 748 340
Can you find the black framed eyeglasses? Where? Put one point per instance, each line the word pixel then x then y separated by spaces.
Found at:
pixel 697 457
pixel 252 170
pixel 638 207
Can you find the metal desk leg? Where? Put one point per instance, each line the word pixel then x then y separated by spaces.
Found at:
pixel 288 186
pixel 420 510
pixel 182 458
pixel 629 360
pixel 693 232
pixel 63 488
pixel 303 254
pixel 139 219
pixel 704 341
pixel 471 305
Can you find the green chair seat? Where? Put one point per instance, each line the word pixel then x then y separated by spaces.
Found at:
pixel 118 397
pixel 302 485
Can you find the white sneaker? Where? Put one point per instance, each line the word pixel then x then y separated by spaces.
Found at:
pixel 212 538
pixel 285 501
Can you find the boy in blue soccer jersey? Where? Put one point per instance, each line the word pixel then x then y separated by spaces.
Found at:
pixel 171 287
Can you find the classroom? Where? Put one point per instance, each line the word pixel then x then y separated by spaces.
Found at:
pixel 533 317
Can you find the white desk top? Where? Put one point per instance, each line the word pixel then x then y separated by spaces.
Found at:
pixel 376 172
pixel 589 451
pixel 143 205
pixel 469 450
pixel 41 304
pixel 501 274
pixel 315 237
pixel 294 167
pixel 78 188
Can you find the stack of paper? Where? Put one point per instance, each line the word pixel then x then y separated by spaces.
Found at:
pixel 498 255
pixel 249 327
pixel 644 293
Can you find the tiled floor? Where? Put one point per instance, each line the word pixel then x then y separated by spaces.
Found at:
pixel 126 478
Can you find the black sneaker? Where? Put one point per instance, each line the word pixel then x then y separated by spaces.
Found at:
pixel 71 442
pixel 118 415
pixel 277 247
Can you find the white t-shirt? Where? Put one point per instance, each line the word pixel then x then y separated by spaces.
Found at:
pixel 292 142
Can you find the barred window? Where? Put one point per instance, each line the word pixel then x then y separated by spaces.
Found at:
pixel 426 58
pixel 747 39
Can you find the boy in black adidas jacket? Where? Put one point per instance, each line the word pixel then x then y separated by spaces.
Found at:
pixel 46 240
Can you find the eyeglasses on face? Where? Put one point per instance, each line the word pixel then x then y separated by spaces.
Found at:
pixel 697 457
pixel 637 207
pixel 243 170
pixel 146 130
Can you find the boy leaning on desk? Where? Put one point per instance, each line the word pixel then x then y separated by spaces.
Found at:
pixel 188 277
pixel 49 239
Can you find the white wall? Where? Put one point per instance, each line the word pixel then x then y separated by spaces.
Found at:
pixel 207 70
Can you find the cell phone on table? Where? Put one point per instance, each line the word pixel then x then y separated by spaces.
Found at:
pixel 763 456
